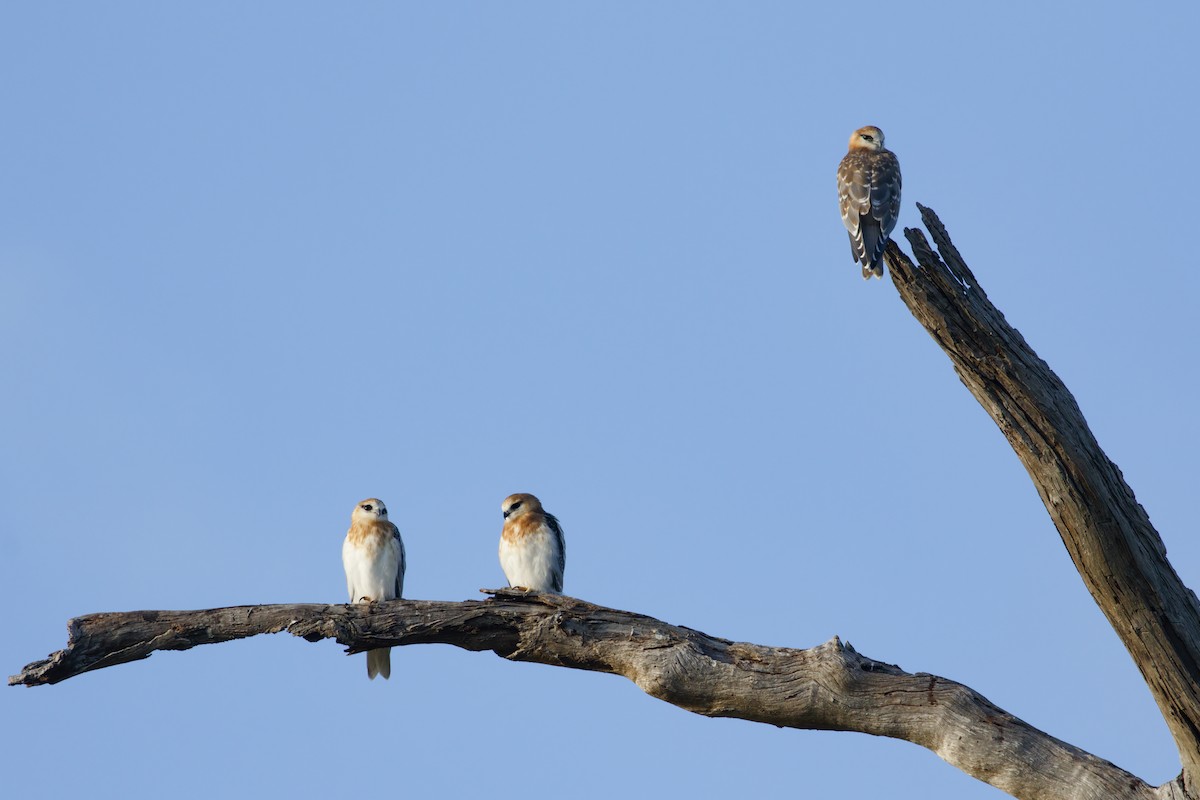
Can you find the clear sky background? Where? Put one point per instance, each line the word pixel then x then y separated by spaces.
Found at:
pixel 259 261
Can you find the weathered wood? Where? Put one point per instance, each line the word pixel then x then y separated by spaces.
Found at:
pixel 829 687
pixel 1107 533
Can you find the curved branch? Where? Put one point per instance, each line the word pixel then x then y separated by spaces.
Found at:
pixel 1118 553
pixel 829 687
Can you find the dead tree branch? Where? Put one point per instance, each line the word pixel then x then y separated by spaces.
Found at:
pixel 829 687
pixel 1108 534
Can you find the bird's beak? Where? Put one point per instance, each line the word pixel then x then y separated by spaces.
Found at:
pixel 506 513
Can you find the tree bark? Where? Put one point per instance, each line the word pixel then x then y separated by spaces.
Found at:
pixel 829 687
pixel 1119 555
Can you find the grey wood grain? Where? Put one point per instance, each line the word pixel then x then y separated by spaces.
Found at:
pixel 828 687
pixel 1108 535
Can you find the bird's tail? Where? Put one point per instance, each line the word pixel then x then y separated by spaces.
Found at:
pixel 873 272
pixel 379 662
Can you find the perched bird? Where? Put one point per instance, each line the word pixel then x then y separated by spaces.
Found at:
pixel 869 195
pixel 533 553
pixel 373 555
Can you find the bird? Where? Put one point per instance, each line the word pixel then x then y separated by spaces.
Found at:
pixel 869 196
pixel 373 556
pixel 533 552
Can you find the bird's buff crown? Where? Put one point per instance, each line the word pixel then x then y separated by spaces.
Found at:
pixel 867 138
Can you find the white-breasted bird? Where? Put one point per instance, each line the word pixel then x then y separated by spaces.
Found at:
pixel 373 556
pixel 533 553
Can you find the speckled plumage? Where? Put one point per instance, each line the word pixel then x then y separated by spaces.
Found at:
pixel 533 553
pixel 374 560
pixel 869 197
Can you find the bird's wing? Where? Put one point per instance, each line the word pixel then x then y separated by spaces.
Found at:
pixel 348 555
pixel 885 191
pixel 403 562
pixel 854 201
pixel 560 564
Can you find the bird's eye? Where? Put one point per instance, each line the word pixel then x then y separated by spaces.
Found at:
pixel 868 137
pixel 367 506
pixel 515 506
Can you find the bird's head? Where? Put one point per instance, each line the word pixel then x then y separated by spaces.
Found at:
pixel 369 510
pixel 517 504
pixel 868 138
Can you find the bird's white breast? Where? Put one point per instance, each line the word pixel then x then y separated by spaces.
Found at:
pixel 372 563
pixel 531 560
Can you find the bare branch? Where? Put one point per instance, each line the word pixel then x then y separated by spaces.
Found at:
pixel 829 687
pixel 1109 536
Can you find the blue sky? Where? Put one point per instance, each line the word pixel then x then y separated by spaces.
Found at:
pixel 259 261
